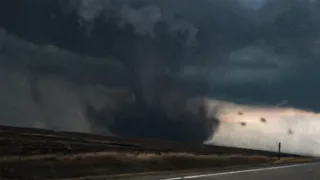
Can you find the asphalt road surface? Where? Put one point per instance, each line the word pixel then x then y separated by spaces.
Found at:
pixel 310 171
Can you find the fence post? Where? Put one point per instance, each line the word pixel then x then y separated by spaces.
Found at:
pixel 279 150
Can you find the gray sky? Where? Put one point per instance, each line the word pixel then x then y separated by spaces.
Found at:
pixel 67 63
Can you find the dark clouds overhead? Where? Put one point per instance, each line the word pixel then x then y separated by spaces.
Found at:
pixel 122 63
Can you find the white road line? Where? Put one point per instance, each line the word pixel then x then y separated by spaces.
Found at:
pixel 237 172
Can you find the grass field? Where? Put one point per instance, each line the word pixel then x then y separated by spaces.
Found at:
pixel 26 154
pixel 112 163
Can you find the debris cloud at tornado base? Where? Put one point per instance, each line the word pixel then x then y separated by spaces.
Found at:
pixel 263 128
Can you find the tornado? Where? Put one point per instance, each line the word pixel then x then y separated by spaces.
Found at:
pixel 134 68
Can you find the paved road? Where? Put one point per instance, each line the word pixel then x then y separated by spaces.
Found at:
pixel 310 171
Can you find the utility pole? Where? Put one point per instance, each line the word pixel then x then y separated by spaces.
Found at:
pixel 279 150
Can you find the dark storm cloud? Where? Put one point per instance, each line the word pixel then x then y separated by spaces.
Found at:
pixel 81 57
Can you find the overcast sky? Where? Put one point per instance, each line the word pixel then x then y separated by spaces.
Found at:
pixel 78 50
